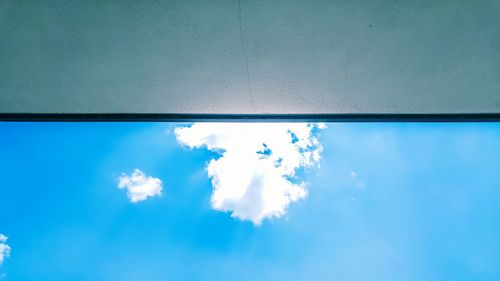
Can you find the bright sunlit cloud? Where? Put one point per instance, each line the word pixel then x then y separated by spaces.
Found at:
pixel 255 177
pixel 4 248
pixel 139 186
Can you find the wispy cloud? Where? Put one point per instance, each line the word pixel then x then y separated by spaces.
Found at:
pixel 139 186
pixel 4 248
pixel 255 177
pixel 358 183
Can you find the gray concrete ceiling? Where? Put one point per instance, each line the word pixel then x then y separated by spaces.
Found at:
pixel 252 57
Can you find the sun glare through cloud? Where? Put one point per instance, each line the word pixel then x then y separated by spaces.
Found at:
pixel 255 177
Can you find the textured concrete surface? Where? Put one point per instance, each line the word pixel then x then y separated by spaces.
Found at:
pixel 250 57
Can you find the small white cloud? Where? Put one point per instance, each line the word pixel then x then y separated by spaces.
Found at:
pixel 4 248
pixel 255 176
pixel 139 186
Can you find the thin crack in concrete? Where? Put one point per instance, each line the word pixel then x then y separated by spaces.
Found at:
pixel 242 39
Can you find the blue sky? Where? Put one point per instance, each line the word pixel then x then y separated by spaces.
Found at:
pixel 386 201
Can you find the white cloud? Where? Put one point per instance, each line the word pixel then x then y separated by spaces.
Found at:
pixel 255 177
pixel 4 248
pixel 139 186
